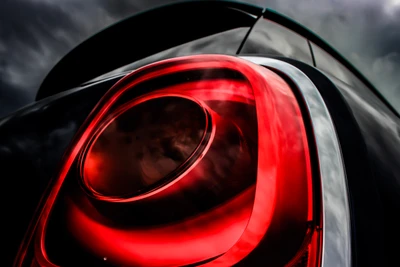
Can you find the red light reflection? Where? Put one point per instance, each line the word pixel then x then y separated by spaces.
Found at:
pixel 229 232
pixel 145 141
pixel 178 244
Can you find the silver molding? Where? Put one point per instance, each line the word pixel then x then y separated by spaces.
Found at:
pixel 336 236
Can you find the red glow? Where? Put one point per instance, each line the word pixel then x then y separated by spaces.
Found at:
pixel 230 232
pixel 279 125
pixel 92 160
pixel 177 244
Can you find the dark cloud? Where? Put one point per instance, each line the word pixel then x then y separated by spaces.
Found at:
pixel 36 34
pixel 27 42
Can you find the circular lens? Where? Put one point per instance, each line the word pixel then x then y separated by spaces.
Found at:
pixel 144 146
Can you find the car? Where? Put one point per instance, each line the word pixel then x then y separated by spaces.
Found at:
pixel 202 133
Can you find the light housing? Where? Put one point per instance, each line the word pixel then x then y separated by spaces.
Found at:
pixel 260 204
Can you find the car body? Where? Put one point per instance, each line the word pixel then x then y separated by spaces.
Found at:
pixel 352 129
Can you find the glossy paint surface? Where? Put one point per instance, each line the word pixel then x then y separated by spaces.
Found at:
pixel 364 200
pixel 226 42
pixel 32 143
pixel 144 35
pixel 336 245
pixel 380 128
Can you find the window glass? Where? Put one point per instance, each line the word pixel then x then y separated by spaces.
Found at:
pixel 330 65
pixel 270 38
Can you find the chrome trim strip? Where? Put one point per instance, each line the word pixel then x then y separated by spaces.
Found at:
pixel 336 236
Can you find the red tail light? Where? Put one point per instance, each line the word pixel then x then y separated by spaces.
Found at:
pixel 194 160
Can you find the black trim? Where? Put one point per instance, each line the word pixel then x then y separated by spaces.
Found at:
pixel 364 197
pixel 143 35
pixel 247 35
pixel 312 52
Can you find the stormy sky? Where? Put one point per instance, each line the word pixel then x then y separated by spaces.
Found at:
pixel 35 34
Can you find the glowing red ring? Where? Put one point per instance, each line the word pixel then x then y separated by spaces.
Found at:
pixel 179 173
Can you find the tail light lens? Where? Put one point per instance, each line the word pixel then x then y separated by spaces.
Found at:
pixel 199 160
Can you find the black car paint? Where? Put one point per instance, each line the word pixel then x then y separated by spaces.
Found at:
pixel 32 143
pixel 131 40
pixel 364 200
pixel 33 140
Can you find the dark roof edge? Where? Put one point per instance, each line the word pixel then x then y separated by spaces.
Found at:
pixel 85 49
